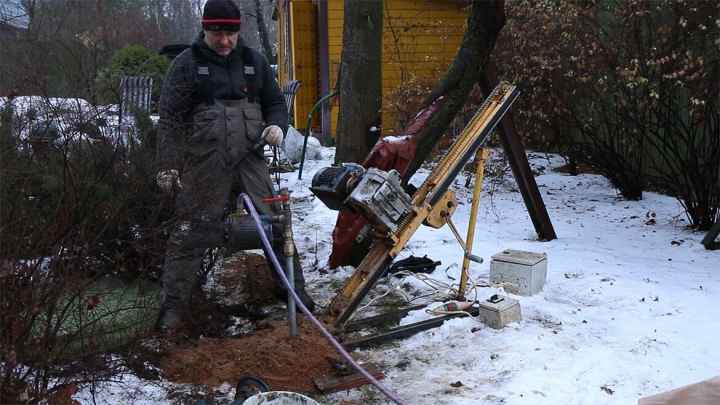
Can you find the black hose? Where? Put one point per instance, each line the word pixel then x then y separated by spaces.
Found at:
pixel 276 264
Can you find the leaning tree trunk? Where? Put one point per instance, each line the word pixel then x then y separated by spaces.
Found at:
pixel 264 34
pixel 360 79
pixel 484 23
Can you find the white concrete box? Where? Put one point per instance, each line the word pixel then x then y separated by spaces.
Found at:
pixel 519 272
pixel 498 311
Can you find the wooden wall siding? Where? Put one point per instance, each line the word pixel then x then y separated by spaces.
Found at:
pixel 420 39
pixel 305 59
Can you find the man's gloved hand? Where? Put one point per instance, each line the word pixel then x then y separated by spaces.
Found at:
pixel 273 135
pixel 167 180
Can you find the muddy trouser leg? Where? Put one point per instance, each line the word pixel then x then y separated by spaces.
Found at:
pixel 254 179
pixel 200 208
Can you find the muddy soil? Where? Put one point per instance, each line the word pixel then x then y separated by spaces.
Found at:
pixel 286 363
pixel 268 352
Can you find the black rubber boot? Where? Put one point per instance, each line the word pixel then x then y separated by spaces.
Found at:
pixel 170 321
pixel 300 287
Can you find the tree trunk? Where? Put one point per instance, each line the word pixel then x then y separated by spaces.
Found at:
pixel 264 34
pixel 360 79
pixel 484 23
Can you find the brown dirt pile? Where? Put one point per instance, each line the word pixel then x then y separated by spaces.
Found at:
pixel 284 362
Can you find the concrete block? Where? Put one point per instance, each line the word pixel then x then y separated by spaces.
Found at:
pixel 498 311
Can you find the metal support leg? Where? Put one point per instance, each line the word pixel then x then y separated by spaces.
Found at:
pixel 481 157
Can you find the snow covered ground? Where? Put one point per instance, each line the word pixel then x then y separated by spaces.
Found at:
pixel 74 118
pixel 630 307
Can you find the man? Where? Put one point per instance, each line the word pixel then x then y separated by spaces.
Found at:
pixel 219 101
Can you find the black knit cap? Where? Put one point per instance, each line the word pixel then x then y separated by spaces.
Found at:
pixel 221 15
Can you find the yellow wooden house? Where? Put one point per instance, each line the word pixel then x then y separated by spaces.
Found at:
pixel 420 39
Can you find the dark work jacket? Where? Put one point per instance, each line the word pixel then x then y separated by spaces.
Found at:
pixel 182 92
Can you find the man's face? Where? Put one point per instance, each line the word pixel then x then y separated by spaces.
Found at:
pixel 222 42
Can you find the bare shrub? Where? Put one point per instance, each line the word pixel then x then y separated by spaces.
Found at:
pixel 80 221
pixel 406 100
pixel 628 87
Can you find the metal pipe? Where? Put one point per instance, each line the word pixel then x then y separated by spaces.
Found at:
pixel 289 251
pixel 468 255
pixel 455 232
pixel 292 314
pixel 273 259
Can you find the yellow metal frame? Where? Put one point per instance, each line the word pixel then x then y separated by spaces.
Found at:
pixel 443 210
pixel 481 157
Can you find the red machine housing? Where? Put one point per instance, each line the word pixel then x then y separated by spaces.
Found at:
pixel 387 154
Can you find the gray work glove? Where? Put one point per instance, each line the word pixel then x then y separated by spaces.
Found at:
pixel 273 135
pixel 168 180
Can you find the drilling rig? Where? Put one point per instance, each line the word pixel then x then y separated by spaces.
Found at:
pixel 393 214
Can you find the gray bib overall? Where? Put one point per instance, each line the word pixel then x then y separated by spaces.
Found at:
pixel 219 163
